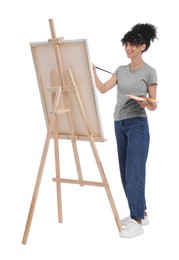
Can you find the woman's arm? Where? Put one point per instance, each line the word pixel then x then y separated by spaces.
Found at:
pixel 152 91
pixel 104 87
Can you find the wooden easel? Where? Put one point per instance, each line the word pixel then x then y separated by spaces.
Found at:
pixel 52 133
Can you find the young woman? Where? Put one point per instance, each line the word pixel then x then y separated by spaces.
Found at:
pixel 130 122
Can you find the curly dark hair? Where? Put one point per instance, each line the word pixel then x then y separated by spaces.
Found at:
pixel 141 33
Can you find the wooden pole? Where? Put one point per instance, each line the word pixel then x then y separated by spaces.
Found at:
pixel 96 155
pixel 57 165
pixel 41 168
pixel 67 105
pixel 52 28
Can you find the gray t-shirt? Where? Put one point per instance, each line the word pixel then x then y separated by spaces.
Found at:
pixel 132 82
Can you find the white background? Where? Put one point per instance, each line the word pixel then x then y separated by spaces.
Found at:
pixel 89 230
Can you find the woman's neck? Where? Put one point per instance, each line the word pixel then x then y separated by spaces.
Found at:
pixel 136 64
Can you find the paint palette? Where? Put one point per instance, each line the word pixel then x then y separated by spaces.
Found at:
pixel 144 99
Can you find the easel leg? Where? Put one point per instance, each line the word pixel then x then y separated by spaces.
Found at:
pixel 73 142
pixel 108 191
pixel 36 190
pixel 57 164
pixel 41 168
pixel 96 155
pixel 77 161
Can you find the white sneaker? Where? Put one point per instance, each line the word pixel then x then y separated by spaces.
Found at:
pixel 145 221
pixel 132 229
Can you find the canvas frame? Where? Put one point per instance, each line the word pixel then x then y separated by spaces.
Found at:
pixel 74 55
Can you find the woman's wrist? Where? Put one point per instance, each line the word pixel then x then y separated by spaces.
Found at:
pixel 151 106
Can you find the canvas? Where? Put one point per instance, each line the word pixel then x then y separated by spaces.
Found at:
pixel 74 55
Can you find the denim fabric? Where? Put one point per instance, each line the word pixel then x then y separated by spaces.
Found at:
pixel 132 136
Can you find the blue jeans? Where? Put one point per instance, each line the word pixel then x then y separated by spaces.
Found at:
pixel 132 136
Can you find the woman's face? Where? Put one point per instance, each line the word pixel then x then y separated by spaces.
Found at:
pixel 134 50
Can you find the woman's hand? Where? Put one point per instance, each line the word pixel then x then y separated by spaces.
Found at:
pixel 149 105
pixel 94 69
pixel 104 87
pixel 143 104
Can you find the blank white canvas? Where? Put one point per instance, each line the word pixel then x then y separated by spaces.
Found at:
pixel 74 55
